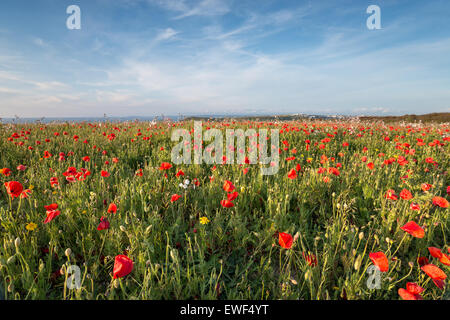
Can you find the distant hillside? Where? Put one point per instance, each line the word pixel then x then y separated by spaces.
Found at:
pixel 430 117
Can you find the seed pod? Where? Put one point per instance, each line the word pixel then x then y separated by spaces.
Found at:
pixel 357 264
pixel 11 260
pixel 17 243
pixel 68 252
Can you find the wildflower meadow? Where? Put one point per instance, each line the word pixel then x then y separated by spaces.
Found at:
pixel 354 210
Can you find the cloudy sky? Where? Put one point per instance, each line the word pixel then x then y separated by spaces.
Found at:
pixel 153 57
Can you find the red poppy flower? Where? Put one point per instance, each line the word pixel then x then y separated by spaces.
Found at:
pixel 6 171
pixel 104 224
pixel 434 272
pixel 51 214
pixel 406 295
pixel 440 202
pixel 370 165
pixel 54 181
pixel 165 166
pixel 413 229
pixel 311 259
pixel 105 174
pixel 425 186
pixel 414 206
pixel 390 194
pixel 406 195
pixel 21 167
pixel 70 171
pixel 402 161
pixel 232 196
pixel 292 174
pixel 227 203
pixel 86 159
pixel 47 154
pixel 122 266
pixel 414 288
pixel 50 207
pixel 435 252
pixel 180 173
pixel 445 259
pixel 334 171
pixel 175 197
pixel 285 240
pixel 14 188
pixel 228 186
pixel 112 208
pixel 380 260
pixel 25 193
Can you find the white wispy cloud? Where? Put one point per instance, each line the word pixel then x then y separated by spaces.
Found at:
pixel 39 42
pixel 166 34
pixel 199 8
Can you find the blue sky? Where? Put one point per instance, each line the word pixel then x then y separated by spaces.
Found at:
pixel 153 57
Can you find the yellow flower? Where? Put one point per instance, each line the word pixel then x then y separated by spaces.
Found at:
pixel 31 187
pixel 204 220
pixel 31 226
pixel 84 212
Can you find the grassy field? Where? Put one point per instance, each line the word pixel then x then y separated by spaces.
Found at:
pixel 348 195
